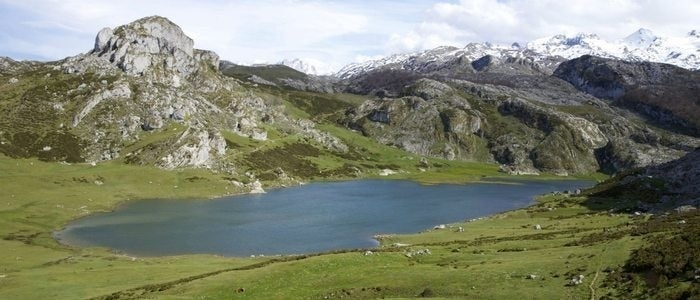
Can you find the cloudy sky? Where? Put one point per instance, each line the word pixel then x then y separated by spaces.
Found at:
pixel 332 33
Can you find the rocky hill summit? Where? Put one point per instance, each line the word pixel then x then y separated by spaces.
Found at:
pixel 143 95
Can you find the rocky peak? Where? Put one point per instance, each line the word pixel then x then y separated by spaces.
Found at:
pixel 641 38
pixel 300 65
pixel 580 39
pixel 148 43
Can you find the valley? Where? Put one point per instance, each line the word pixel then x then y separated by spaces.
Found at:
pixel 144 115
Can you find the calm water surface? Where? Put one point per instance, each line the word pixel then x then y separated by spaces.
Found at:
pixel 311 218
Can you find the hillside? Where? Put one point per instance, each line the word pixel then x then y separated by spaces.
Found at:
pixel 143 96
pixel 510 112
pixel 667 95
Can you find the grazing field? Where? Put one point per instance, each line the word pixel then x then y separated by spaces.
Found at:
pixel 498 256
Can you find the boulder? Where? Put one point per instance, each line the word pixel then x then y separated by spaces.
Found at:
pixel 576 280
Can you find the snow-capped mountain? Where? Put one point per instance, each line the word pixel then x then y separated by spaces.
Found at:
pixel 642 45
pixel 429 59
pixel 308 66
pixel 299 65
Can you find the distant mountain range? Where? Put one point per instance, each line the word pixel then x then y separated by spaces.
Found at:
pixel 642 45
pixel 304 66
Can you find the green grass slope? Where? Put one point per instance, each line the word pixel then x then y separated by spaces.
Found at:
pixel 501 256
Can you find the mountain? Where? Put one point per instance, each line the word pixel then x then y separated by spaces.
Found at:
pixel 144 115
pixel 671 186
pixel 138 77
pixel 527 112
pixel 143 95
pixel 666 94
pixel 641 45
pixel 277 76
pixel 305 66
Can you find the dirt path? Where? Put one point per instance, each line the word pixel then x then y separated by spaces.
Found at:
pixel 592 284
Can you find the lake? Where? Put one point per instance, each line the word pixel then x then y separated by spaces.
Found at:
pixel 311 218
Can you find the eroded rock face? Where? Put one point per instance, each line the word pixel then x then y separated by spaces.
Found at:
pixel 152 77
pixel 431 120
pixel 121 90
pixel 145 43
pixel 665 94
pixel 520 131
pixel 197 148
pixel 150 44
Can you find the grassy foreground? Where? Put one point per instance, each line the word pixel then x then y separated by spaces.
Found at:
pixel 501 256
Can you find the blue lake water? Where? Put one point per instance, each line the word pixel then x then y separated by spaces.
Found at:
pixel 310 218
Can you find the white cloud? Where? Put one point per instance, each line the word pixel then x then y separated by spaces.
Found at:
pixel 427 35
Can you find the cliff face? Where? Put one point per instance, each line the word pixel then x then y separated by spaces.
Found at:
pixel 667 95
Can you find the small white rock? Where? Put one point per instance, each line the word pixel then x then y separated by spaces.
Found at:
pixel 386 172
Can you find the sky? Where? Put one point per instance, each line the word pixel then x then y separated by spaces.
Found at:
pixel 331 34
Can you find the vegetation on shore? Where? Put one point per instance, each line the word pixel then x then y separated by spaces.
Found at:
pixel 495 256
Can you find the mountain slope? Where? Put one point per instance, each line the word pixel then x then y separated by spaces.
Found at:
pixel 278 76
pixel 666 94
pixel 144 96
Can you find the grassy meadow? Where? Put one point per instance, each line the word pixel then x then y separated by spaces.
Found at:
pixel 492 258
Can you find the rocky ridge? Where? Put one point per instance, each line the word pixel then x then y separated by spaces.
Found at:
pixel 515 115
pixel 666 94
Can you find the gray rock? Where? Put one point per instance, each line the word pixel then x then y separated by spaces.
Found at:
pixel 150 41
pixel 663 92
pixel 576 280
pixel 178 114
pixel 121 90
pixel 103 38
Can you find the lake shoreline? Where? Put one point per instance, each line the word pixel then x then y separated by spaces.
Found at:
pixel 58 237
